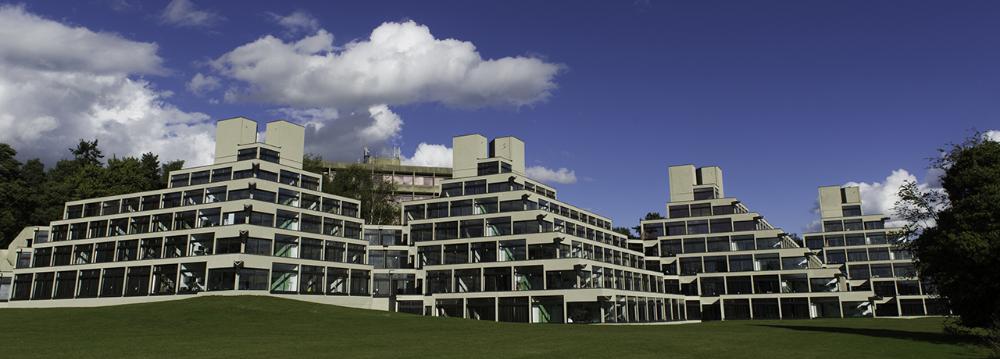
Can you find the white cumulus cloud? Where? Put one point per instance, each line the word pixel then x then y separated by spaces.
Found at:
pixel 184 13
pixel 56 91
pixel 345 93
pixel 30 43
pixel 430 155
pixel 399 63
pixel 992 135
pixel 562 175
pixel 297 21
pixel 342 136
pixel 201 84
pixel 881 197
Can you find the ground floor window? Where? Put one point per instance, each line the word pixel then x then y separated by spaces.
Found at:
pixel 284 278
pixel 43 286
pixel 112 282
pixel 192 278
pixel 911 307
pixel 311 280
pixel 513 310
pixel 856 309
pixel 164 279
pixel 765 309
pixel 220 279
pixel 65 285
pixel 253 279
pixel 481 308
pixel 449 308
pixel 583 312
pixel 336 281
pixel 89 283
pixel 410 306
pixel 359 281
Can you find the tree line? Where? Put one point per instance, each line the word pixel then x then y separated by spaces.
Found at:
pixel 32 195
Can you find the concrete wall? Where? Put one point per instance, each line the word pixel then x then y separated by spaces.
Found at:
pixel 682 182
pixel 290 139
pixel 510 148
pixel 466 150
pixel 231 133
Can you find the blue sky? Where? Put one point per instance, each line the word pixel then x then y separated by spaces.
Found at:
pixel 785 96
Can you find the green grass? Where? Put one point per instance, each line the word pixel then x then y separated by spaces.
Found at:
pixel 270 327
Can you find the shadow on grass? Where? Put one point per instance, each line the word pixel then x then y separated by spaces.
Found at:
pixel 935 338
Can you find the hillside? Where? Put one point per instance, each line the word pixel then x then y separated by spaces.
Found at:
pixel 216 327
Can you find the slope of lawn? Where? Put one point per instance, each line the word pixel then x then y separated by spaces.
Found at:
pixel 245 326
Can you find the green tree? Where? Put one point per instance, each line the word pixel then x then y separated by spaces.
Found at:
pixel 87 152
pixel 127 175
pixel 34 176
pixel 955 234
pixel 11 192
pixel 313 163
pixel 150 167
pixel 165 170
pixel 374 192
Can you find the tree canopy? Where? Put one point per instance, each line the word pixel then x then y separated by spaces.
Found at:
pixel 955 232
pixel 358 182
pixel 30 195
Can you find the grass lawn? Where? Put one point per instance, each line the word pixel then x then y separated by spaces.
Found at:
pixel 279 328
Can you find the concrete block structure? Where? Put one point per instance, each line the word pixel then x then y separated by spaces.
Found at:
pixel 735 262
pixel 742 267
pixel 499 246
pixel 485 243
pixel 251 223
pixel 869 254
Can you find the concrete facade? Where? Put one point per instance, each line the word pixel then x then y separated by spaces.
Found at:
pixel 869 255
pixel 484 242
pixel 742 267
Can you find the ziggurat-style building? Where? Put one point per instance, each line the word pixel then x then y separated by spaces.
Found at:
pixel 492 244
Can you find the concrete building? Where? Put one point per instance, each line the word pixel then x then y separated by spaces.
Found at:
pixel 498 246
pixel 488 244
pixel 412 182
pixel 869 254
pixel 251 223
pixel 735 262
pixel 494 246
pixel 742 267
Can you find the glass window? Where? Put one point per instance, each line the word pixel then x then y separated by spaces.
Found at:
pixel 201 244
pixel 269 155
pixel 701 210
pixel 487 168
pixel 500 226
pixel 836 256
pixel 697 227
pixel 284 278
pixel 718 244
pixel 259 246
pixel 246 154
pixel 694 245
pixel 722 225
pixel 200 177
pixel 451 189
pixel 741 263
pixel 179 180
pixel 852 211
pixel 680 211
